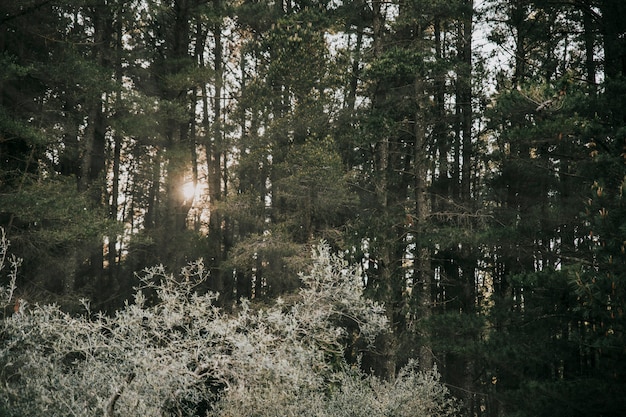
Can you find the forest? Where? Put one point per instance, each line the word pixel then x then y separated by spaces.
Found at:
pixel 313 207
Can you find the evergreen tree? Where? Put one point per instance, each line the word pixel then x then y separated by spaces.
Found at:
pixel 53 125
pixel 290 178
pixel 546 126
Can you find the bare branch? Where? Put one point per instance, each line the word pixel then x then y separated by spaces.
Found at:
pixel 110 409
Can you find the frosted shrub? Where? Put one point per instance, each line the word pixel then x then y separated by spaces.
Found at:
pixel 9 265
pixel 172 352
pixel 349 394
pixel 141 361
pixel 410 394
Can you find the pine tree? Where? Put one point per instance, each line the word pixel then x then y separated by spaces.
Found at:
pixel 55 145
pixel 546 127
pixel 290 179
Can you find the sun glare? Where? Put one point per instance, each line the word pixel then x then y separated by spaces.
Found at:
pixel 189 191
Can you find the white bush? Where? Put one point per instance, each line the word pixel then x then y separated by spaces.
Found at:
pixel 349 394
pixel 172 352
pixel 9 265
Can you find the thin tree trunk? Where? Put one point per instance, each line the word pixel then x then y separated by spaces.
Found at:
pixel 440 134
pixel 355 71
pixel 517 19
pixel 589 37
pixel 214 162
pixel 117 152
pixel 465 80
pixel 423 274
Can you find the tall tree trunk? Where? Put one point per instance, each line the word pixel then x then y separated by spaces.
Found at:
pixel 117 153
pixel 355 71
pixel 152 219
pixel 442 186
pixel 468 265
pixel 465 98
pixel 589 38
pixel 214 162
pixel 94 145
pixel 423 268
pixel 518 18
pixel 387 259
pixel 177 132
pixel 613 28
pixel 92 170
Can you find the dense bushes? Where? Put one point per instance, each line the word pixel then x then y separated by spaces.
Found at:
pixel 171 351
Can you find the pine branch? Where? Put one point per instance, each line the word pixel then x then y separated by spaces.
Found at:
pixel 24 12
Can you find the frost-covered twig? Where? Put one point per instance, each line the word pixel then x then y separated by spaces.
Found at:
pixel 13 263
pixel 110 407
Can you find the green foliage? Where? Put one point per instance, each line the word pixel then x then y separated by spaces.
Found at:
pixel 397 65
pixel 268 262
pixel 52 225
pixel 291 43
pixel 11 69
pixel 53 214
pixel 315 193
pixel 14 129
pixel 599 284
